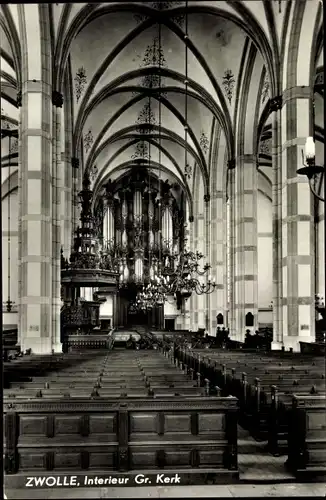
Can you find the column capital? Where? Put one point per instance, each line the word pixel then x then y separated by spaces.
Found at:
pixel 231 164
pixel 275 104
pixel 191 218
pixel 207 198
pixel 75 162
pixel 19 99
pixel 57 99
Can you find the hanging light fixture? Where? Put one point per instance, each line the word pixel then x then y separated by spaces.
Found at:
pixel 11 134
pixel 177 275
pixel 310 169
pixel 150 297
pixel 180 274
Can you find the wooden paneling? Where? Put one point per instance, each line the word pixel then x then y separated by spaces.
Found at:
pixel 122 436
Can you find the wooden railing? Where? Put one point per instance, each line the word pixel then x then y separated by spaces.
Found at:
pixel 92 341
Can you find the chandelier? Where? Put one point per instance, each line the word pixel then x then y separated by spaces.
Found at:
pixel 183 276
pixel 178 279
pixel 151 296
pixel 177 273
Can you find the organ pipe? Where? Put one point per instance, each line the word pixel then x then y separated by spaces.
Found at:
pixel 108 225
pixel 167 228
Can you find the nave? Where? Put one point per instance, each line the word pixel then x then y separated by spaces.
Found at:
pixel 163 247
pixel 214 416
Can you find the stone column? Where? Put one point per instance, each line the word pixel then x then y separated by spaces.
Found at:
pixel 66 203
pixel 245 219
pixel 184 321
pixel 217 299
pixel 67 177
pixel 74 197
pixel 191 300
pixel 298 242
pixel 275 108
pixel 57 101
pixel 35 195
pixel 19 227
pixel 207 253
pixel 200 300
pixel 231 252
pixel 194 296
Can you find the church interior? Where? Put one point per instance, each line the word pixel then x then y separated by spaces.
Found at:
pixel 163 247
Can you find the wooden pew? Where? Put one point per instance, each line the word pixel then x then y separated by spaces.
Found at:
pixel 126 392
pixel 32 393
pixel 259 401
pixel 29 366
pixel 161 391
pixel 264 394
pixel 307 437
pixel 193 435
pixel 279 418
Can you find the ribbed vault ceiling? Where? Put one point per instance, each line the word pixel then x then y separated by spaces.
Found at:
pixel 127 66
pixel 134 102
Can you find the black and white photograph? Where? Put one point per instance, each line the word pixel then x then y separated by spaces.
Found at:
pixel 163 249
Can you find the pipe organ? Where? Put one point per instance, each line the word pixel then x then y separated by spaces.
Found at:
pixel 141 226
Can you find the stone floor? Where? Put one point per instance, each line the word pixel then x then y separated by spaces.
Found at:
pixel 226 491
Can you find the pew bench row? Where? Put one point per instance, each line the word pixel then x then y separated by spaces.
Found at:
pixel 270 411
pixel 187 434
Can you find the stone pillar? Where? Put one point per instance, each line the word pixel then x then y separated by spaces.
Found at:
pixel 232 255
pixel 245 219
pixel 191 301
pixel 57 101
pixel 231 252
pixel 19 228
pixel 186 317
pixel 217 299
pixel 74 197
pixel 66 203
pixel 200 300
pixel 298 242
pixel 275 108
pixel 35 195
pixel 207 253
pixel 35 181
pixel 67 174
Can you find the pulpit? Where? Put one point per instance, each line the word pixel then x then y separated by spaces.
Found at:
pixel 87 272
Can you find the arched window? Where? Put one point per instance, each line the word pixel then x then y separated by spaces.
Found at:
pixel 249 319
pixel 220 319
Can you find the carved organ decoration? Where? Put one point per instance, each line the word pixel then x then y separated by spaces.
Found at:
pixel 141 227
